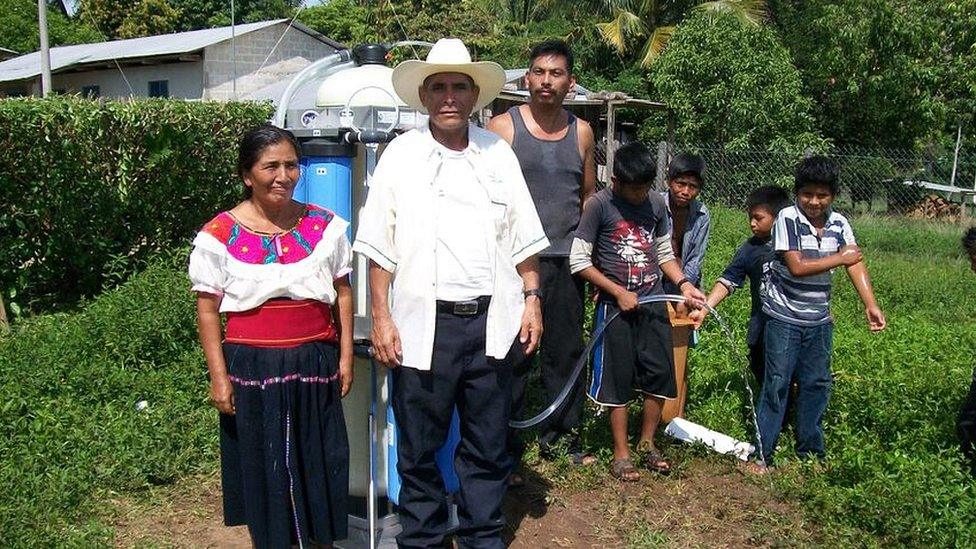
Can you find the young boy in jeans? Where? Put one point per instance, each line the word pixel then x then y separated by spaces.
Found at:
pixel 809 240
pixel 750 261
pixel 621 246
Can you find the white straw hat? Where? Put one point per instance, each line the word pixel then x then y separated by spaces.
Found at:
pixel 447 55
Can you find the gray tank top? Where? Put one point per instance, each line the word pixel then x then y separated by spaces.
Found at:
pixel 553 171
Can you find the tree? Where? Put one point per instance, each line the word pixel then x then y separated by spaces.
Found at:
pixel 873 66
pixel 18 27
pixel 734 85
pixel 148 18
pixel 128 19
pixel 201 14
pixel 341 20
pixel 649 24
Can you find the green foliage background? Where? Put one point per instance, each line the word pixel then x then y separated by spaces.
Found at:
pixel 733 84
pixel 70 433
pixel 93 189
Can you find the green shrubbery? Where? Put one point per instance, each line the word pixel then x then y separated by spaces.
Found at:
pixel 92 189
pixel 70 431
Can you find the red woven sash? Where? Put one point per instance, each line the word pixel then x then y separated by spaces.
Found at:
pixel 282 323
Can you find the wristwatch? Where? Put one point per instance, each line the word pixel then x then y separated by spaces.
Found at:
pixel 533 292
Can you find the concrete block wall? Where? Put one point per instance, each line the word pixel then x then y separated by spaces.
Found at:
pixel 295 51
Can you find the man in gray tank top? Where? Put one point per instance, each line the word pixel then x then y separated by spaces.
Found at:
pixel 555 150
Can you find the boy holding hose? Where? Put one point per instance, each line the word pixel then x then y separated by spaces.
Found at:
pixel 621 247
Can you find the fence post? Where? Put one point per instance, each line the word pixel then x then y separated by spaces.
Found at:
pixel 662 166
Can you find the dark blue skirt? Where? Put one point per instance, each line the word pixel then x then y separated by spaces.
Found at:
pixel 285 455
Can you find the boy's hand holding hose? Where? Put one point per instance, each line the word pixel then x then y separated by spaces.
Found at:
pixel 694 298
pixel 626 300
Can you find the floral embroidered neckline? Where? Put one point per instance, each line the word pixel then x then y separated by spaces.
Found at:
pixel 259 248
pixel 266 233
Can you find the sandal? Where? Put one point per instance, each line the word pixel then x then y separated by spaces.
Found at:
pixel 654 460
pixel 582 459
pixel 515 480
pixel 754 468
pixel 624 470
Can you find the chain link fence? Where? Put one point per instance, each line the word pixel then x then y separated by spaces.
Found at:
pixel 873 181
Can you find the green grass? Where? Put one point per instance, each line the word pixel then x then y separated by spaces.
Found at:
pixel 71 438
pixel 70 433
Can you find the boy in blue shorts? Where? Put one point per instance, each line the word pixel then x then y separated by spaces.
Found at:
pixel 810 240
pixel 749 262
pixel 621 246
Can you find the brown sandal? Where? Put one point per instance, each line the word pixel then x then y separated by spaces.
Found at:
pixel 624 470
pixel 515 480
pixel 654 460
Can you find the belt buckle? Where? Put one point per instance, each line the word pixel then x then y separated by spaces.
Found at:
pixel 466 308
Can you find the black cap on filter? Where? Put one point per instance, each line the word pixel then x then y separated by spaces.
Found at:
pixel 370 54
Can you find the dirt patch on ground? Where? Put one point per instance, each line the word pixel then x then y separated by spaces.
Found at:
pixel 705 502
pixel 187 514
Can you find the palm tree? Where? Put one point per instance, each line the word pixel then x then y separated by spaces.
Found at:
pixel 654 21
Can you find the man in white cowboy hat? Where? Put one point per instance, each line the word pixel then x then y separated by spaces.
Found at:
pixel 452 234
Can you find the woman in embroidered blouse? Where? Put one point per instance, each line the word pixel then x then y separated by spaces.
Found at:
pixel 278 270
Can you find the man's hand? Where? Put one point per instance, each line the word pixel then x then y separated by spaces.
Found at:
pixel 345 375
pixel 386 341
pixel 222 394
pixel 698 316
pixel 851 255
pixel 694 298
pixel 876 319
pixel 531 332
pixel 627 301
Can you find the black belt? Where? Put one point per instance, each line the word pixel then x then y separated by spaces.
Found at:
pixel 471 307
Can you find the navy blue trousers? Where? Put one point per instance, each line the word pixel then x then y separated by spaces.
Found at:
pixel 800 353
pixel 562 345
pixel 461 375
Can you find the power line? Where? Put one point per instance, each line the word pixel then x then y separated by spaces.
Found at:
pixel 132 92
pixel 282 37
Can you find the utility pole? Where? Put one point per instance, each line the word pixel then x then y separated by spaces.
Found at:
pixel 45 48
pixel 233 53
pixel 955 156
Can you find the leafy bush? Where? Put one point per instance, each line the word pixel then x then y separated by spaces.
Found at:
pixel 733 84
pixel 70 431
pixel 92 189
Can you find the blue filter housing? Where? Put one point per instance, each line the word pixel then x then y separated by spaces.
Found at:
pixel 327 177
pixel 444 457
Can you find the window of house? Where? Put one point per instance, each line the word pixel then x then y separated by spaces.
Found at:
pixel 91 91
pixel 159 88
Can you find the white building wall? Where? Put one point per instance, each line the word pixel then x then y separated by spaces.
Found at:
pixel 185 80
pixel 294 53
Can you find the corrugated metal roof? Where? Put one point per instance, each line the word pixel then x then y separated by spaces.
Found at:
pixel 29 65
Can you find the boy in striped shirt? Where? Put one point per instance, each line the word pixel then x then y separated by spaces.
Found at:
pixel 810 240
